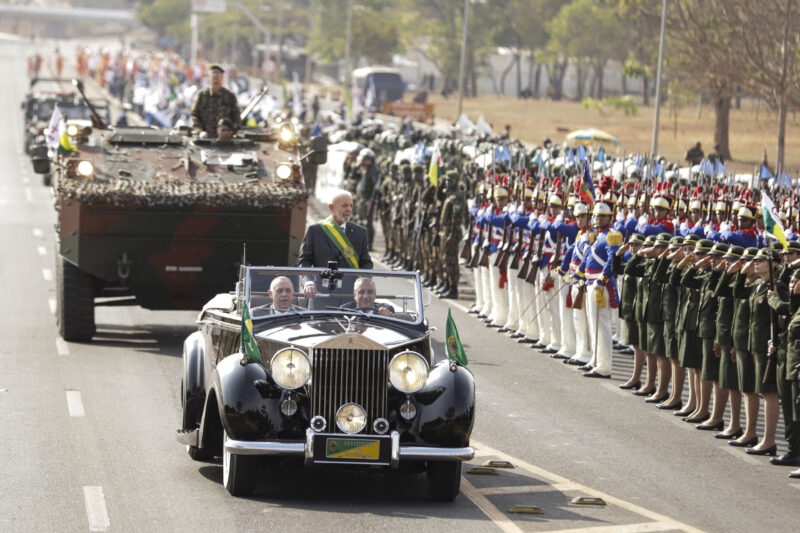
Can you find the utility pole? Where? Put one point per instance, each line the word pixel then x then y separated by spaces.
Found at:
pixel 347 38
pixel 654 147
pixel 462 61
pixel 311 9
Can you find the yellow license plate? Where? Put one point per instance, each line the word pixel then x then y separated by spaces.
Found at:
pixel 352 449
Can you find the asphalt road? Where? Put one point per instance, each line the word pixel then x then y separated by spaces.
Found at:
pixel 88 428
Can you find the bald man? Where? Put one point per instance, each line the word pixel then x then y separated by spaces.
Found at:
pixel 281 290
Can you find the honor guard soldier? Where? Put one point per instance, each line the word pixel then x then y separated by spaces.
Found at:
pixel 570 268
pixel 601 290
pixel 497 219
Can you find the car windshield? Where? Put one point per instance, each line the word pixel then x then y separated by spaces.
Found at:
pixel 393 295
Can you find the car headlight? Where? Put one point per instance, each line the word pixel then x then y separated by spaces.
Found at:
pixel 290 368
pixel 286 135
pixel 284 172
pixel 408 371
pixel 72 130
pixel 85 169
pixel 351 418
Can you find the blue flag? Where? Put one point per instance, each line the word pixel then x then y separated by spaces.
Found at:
pixel 506 154
pixel 638 162
pixel 571 156
pixel 765 173
pixel 419 153
pixel 601 155
pixel 317 130
pixel 719 167
pixel 657 170
pixel 538 158
pixel 581 153
pixel 785 181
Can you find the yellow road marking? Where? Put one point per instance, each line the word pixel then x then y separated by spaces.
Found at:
pixel 484 449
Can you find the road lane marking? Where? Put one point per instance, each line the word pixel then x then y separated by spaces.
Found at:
pixel 26 180
pixel 484 449
pixel 74 403
pixel 96 508
pixel 488 508
pixel 42 250
pixel 61 346
pixel 627 528
pixel 51 302
pixel 37 232
pixel 555 487
pixel 28 195
pixel 47 274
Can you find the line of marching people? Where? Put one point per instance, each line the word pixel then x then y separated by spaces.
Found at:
pixel 694 298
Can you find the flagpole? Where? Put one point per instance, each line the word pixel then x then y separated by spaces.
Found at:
pixel 658 77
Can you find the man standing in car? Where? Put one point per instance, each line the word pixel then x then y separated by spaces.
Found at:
pixel 214 103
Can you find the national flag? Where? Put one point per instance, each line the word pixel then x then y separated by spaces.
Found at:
pixel 764 173
pixel 772 220
pixel 455 352
pixel 249 346
pixel 581 153
pixel 586 187
pixel 600 155
pixel 436 161
pixel 52 132
pixel 65 146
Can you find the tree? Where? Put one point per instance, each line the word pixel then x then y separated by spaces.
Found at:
pixel 375 31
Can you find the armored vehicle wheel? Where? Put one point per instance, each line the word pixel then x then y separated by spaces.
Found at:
pixel 444 480
pixel 239 472
pixel 74 302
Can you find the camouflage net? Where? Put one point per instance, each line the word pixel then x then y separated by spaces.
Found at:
pixel 254 194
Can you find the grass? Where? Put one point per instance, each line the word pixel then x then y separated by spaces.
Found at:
pixel 753 128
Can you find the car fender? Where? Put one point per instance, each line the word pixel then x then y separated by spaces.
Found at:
pixel 445 406
pixel 242 409
pixel 194 393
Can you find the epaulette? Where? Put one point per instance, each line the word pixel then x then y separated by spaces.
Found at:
pixel 614 238
pixel 592 237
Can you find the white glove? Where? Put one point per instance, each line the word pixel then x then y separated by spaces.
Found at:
pixel 630 215
pixel 708 229
pixel 542 218
pixel 471 203
pixel 560 217
pixel 676 222
pixel 725 228
pixel 643 220
pixel 620 216
pixel 684 226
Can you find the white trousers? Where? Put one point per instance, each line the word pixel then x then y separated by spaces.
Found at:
pixel 486 309
pixel 599 322
pixel 554 304
pixel 583 350
pixel 476 274
pixel 530 324
pixel 512 323
pixel 566 322
pixel 499 313
pixel 544 319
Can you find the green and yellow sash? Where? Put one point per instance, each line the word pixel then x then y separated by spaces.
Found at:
pixel 340 240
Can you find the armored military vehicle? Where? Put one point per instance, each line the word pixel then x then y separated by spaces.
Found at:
pixel 157 218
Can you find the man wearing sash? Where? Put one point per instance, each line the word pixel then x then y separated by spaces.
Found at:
pixel 334 239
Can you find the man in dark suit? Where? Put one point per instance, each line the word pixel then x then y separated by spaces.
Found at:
pixel 335 239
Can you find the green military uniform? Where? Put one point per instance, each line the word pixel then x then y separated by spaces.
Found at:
pixel 707 313
pixel 690 348
pixel 760 328
pixel 741 329
pixel 451 228
pixel 669 300
pixel 209 107
pixel 653 304
pixel 728 377
pixel 629 273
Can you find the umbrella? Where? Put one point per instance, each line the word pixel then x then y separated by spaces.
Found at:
pixel 591 136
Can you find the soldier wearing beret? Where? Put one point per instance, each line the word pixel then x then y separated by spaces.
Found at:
pixel 214 103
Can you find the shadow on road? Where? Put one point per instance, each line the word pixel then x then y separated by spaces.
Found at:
pixel 150 338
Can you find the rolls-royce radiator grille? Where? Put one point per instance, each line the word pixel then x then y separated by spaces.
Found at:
pixel 349 376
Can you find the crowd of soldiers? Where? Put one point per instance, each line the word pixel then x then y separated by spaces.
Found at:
pixel 629 262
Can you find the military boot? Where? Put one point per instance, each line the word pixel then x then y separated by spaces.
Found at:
pixel 790 458
pixel 442 288
pixel 451 293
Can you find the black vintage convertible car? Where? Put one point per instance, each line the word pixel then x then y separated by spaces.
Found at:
pixel 346 377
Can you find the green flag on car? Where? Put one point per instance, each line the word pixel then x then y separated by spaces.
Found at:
pixel 455 351
pixel 249 346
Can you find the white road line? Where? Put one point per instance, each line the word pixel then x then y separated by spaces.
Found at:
pixel 51 302
pixel 96 508
pixel 74 403
pixel 627 528
pixel 484 449
pixel 739 452
pixel 42 250
pixel 47 274
pixel 61 346
pixel 488 508
pixel 26 180
pixel 37 232
pixel 524 489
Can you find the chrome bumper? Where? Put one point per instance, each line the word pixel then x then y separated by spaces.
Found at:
pixel 306 450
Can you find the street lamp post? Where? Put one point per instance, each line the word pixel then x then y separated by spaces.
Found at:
pixel 462 61
pixel 658 84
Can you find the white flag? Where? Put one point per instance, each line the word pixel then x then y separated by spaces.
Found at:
pixel 53 131
pixel 484 126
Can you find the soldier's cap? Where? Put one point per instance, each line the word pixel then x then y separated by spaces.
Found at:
pixel 765 253
pixel 650 240
pixel 695 205
pixel 500 192
pixel 703 246
pixel 555 200
pixel 719 249
pixel 734 252
pixel 720 207
pixel 692 239
pixel 636 238
pixel 792 248
pixel 749 253
pixel 746 212
pixel 580 208
pixel 601 208
pixel 452 174
pixel 660 202
pixel 662 239
pixel 216 66
pixel 631 202
pixel 682 204
pixel 778 247
pixel 675 242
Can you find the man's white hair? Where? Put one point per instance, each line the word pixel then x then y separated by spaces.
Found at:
pixel 338 194
pixel 277 280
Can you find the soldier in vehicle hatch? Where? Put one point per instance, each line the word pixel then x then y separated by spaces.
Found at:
pixel 214 103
